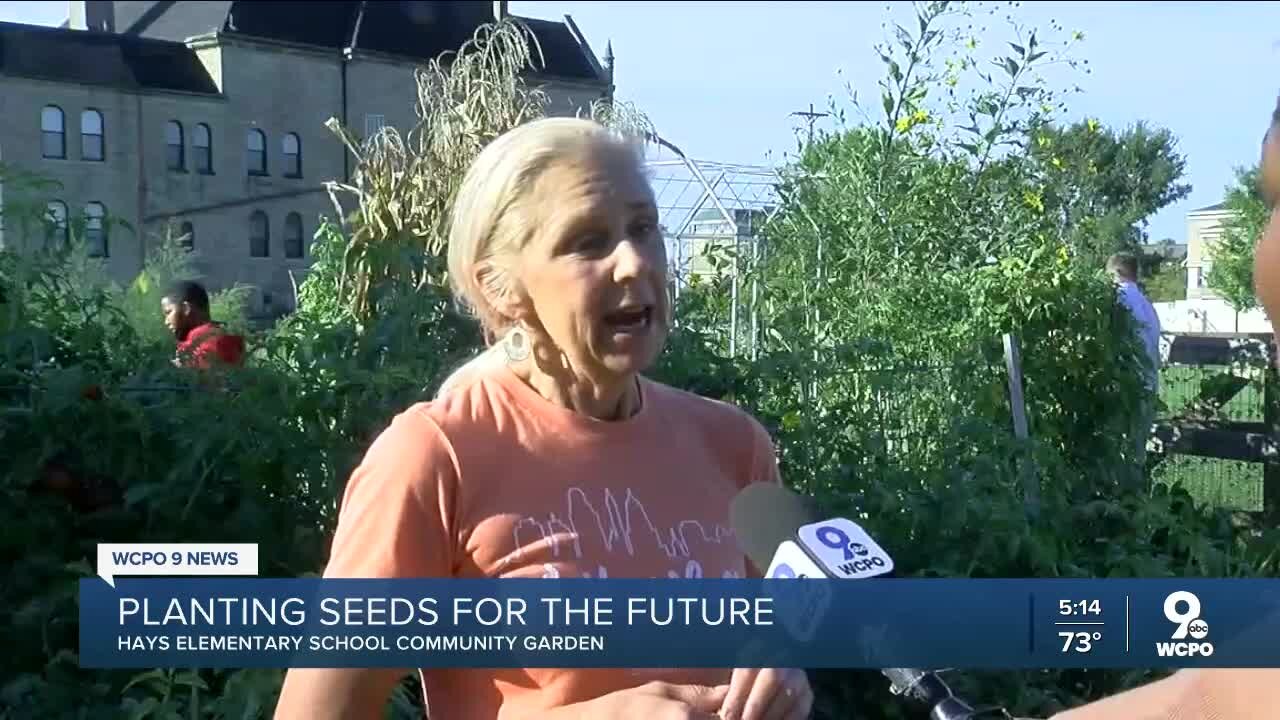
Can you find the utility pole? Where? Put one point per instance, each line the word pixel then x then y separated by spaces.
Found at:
pixel 810 117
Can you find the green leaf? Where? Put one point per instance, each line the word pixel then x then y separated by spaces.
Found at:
pixel 137 493
pixel 904 37
pixel 148 677
pixel 1010 67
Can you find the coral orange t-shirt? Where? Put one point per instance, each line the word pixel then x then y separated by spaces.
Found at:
pixel 492 480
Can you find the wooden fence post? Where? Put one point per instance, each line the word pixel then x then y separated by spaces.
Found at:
pixel 1018 408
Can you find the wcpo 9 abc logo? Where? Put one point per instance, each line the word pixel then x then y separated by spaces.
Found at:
pixel 1182 608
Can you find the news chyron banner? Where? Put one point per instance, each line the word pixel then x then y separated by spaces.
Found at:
pixel 203 606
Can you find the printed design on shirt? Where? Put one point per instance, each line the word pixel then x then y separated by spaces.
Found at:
pixel 621 526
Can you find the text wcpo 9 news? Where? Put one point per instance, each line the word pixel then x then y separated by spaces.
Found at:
pixel 223 621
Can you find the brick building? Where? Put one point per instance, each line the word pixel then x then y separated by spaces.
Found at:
pixel 209 117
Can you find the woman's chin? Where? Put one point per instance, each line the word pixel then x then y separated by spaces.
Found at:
pixel 630 360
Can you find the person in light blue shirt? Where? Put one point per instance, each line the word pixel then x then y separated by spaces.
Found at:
pixel 1123 268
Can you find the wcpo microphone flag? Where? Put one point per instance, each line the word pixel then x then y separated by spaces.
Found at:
pixel 779 530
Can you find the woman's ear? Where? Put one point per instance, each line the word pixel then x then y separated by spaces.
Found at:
pixel 502 289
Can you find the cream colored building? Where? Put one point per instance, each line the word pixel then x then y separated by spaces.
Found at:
pixel 710 234
pixel 1204 226
pixel 209 117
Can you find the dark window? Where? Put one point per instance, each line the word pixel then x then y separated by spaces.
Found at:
pixel 56 216
pixel 259 235
pixel 92 146
pixel 53 135
pixel 292 156
pixel 95 229
pixel 175 148
pixel 293 236
pixel 202 143
pixel 187 236
pixel 256 144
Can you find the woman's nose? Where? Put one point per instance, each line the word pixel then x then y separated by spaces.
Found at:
pixel 631 259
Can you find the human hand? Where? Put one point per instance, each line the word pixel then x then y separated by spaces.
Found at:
pixel 658 701
pixel 770 694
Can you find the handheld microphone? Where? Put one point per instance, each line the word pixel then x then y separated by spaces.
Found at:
pixel 779 530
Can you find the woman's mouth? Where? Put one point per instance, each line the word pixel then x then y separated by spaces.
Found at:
pixel 630 319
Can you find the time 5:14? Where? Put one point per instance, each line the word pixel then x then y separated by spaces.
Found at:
pixel 1079 607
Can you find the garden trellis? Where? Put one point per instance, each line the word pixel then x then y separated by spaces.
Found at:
pixel 713 216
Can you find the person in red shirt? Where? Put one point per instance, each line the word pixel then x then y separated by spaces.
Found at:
pixel 201 341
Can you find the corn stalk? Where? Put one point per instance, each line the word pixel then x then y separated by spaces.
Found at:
pixel 403 185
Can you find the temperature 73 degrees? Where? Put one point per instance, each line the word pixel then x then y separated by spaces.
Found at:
pixel 1081 642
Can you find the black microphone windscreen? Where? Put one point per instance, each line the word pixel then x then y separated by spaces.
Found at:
pixel 764 516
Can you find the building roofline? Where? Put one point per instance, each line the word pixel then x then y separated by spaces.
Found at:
pixel 586 48
pixel 239 38
pixel 540 75
pixel 127 49
pixel 227 37
pixel 1215 208
pixel 129 90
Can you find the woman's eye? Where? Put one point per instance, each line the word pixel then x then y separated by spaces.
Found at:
pixel 643 228
pixel 591 242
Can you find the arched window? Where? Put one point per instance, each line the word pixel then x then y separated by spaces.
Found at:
pixel 292 156
pixel 202 144
pixel 53 132
pixel 259 235
pixel 56 215
pixel 293 236
pixel 95 229
pixel 187 236
pixel 175 148
pixel 92 146
pixel 256 145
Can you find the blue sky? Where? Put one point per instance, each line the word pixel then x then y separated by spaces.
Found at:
pixel 720 79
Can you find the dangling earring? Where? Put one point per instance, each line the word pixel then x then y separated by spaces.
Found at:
pixel 516 344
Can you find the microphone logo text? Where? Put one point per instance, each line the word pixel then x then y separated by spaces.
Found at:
pixel 845 549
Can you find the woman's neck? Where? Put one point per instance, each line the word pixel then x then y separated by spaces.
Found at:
pixel 613 399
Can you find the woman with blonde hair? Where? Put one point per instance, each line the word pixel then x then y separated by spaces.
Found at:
pixel 551 455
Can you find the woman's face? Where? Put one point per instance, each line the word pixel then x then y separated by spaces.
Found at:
pixel 594 269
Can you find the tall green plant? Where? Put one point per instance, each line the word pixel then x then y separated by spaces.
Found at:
pixel 1231 255
pixel 927 228
pixel 404 184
